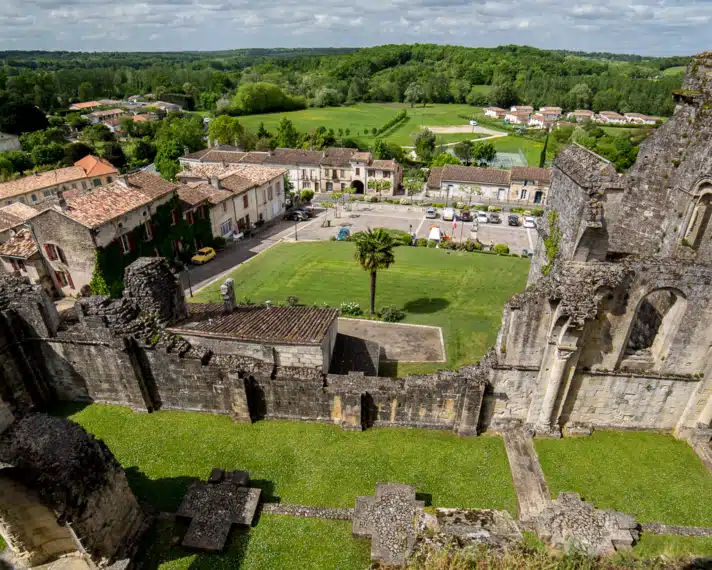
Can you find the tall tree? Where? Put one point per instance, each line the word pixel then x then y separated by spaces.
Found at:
pixel 414 94
pixel 225 130
pixel 286 136
pixel 374 252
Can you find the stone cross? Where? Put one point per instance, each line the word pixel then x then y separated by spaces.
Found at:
pixel 215 506
pixel 389 520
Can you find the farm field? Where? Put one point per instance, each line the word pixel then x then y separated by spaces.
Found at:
pixel 463 293
pixel 357 118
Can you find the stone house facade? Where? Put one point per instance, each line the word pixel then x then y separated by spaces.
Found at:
pixel 21 255
pixel 529 185
pixel 13 217
pixel 70 232
pixel 330 170
pixel 89 172
pixel 242 196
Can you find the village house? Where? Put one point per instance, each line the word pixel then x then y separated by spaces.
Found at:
pixel 581 115
pixel 529 185
pixel 240 196
pixel 89 172
pixel 104 116
pixel 522 109
pixel 517 117
pixel 333 169
pixel 639 119
pixel 70 233
pixel 551 113
pixel 521 185
pixel 21 255
pixel 611 118
pixel 13 217
pixel 9 142
pixel 167 107
pixel 84 106
pixel 494 112
pixel 539 121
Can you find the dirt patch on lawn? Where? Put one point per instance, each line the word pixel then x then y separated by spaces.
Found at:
pixel 399 343
pixel 464 129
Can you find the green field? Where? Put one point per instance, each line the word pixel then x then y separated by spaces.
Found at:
pixel 461 292
pixel 674 70
pixel 363 116
pixel 654 477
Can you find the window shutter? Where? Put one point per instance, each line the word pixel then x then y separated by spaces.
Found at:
pixel 58 277
pixel 62 257
pixel 132 242
pixel 48 251
pixel 69 279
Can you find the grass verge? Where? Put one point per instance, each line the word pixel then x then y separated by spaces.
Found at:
pixel 461 292
pixel 300 463
pixel 652 476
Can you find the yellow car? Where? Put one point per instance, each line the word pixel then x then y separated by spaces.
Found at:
pixel 204 255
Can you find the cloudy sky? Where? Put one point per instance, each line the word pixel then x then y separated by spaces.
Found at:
pixel 649 27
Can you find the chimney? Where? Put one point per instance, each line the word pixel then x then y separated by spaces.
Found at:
pixel 215 182
pixel 123 180
pixel 227 290
pixel 61 200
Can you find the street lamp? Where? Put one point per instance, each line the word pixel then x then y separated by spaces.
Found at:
pixel 296 222
pixel 186 270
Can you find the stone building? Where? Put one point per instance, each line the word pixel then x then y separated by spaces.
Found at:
pixel 13 218
pixel 237 196
pixel 21 255
pixel 89 172
pixel 333 169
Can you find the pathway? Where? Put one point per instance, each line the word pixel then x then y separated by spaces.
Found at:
pixel 529 483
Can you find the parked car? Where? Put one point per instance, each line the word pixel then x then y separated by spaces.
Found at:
pixel 238 235
pixel 465 216
pixel 529 222
pixel 495 219
pixel 449 214
pixel 482 218
pixel 513 220
pixel 296 216
pixel 431 213
pixel 344 234
pixel 473 122
pixel 308 211
pixel 203 255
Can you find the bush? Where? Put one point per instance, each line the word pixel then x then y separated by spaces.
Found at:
pixel 501 249
pixel 404 201
pixel 219 242
pixel 392 315
pixel 438 204
pixel 537 212
pixel 471 245
pixel 292 301
pixel 351 309
pixel 493 209
pixel 373 198
pixel 401 237
pixel 448 245
pixel 307 195
pixel 432 243
pixel 332 238
pixel 422 242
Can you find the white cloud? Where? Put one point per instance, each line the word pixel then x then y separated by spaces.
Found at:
pixel 606 25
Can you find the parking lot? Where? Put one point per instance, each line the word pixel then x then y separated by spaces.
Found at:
pixel 407 218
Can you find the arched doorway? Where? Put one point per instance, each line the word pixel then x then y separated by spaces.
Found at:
pixel 358 185
pixel 697 226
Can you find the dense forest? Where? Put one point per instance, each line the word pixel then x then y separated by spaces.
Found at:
pixel 249 81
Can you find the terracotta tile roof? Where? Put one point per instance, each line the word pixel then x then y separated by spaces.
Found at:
pixel 107 113
pixel 94 166
pixel 192 155
pixel 498 109
pixel 236 183
pixel 288 325
pixel 555 109
pixel 474 175
pixel 194 195
pixel 384 164
pixel 364 156
pixel 584 112
pixel 338 156
pixel 205 170
pixel 139 118
pixel 611 115
pixel 522 108
pixel 85 105
pixel 41 180
pixel 258 174
pixel 106 203
pixel 254 157
pixel 15 214
pixel 226 156
pixel 20 245
pixel 529 173
pixel 294 156
pixel 435 177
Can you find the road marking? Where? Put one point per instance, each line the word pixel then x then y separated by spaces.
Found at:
pixel 529 235
pixel 420 225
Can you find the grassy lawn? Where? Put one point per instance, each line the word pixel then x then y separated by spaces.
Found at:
pixel 651 476
pixel 275 543
pixel 301 463
pixel 652 546
pixel 461 292
pixel 512 143
pixel 677 70
pixel 363 116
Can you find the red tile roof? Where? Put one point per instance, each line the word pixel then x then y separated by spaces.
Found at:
pixel 15 214
pixel 474 175
pixel 20 245
pixel 529 173
pixel 94 166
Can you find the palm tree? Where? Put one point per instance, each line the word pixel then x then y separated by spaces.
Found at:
pixel 374 251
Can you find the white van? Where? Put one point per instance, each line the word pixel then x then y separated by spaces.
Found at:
pixel 449 214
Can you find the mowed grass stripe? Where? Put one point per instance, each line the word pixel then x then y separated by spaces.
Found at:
pixel 463 293
pixel 302 463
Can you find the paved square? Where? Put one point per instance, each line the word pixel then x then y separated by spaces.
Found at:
pixel 398 342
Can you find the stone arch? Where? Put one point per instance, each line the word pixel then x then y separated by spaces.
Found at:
pixel 30 528
pixel 652 328
pixel 358 186
pixel 699 214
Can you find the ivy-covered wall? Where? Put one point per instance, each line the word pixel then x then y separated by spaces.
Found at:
pixel 108 277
